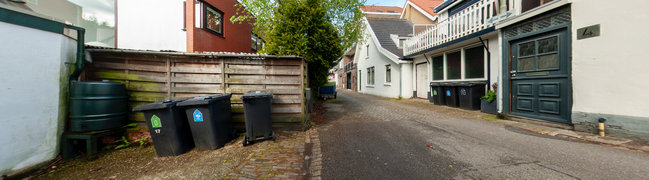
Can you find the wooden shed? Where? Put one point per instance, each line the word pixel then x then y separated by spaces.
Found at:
pixel 153 76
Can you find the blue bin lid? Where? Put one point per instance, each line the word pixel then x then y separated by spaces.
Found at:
pixel 204 100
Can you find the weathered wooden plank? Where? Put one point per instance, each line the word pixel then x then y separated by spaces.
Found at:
pixel 198 70
pixel 285 118
pixel 274 110
pixel 136 116
pixel 265 61
pixel 261 81
pixel 135 67
pixel 146 86
pixel 275 100
pixel 263 71
pixel 116 75
pixel 146 96
pixel 215 80
pixel 296 100
pixel 274 91
pixel 197 89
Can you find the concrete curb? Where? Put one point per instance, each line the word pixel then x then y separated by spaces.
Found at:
pixel 557 132
pixel 314 160
pixel 551 129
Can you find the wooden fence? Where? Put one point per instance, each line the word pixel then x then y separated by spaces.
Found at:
pixel 152 76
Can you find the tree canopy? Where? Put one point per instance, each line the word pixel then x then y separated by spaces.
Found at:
pixel 318 30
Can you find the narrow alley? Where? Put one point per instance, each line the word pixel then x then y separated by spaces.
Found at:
pixel 368 137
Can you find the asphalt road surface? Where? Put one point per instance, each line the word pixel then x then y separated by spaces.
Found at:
pixel 368 137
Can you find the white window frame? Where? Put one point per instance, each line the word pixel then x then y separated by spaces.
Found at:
pixel 254 42
pixel 370 76
pixel 388 74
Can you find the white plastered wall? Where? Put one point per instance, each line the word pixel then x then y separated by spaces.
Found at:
pixel 151 25
pixel 609 72
pixel 377 60
pixel 33 90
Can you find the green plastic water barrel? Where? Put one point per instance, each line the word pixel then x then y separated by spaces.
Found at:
pixel 97 106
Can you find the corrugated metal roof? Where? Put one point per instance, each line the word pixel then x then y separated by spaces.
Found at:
pixel 177 53
pixel 383 27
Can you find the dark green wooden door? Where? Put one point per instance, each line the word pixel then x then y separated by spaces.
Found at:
pixel 540 77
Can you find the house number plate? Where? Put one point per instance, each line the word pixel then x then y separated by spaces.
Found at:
pixel 588 32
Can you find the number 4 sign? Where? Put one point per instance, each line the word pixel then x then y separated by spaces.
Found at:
pixel 588 32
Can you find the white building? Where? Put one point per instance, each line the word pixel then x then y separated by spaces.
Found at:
pixel 566 61
pixel 159 28
pixel 37 56
pixel 379 67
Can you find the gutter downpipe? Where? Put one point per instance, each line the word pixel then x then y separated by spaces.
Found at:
pixel 488 63
pixel 78 65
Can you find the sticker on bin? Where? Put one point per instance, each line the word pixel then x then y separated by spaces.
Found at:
pixel 434 92
pixel 155 122
pixel 463 92
pixel 448 92
pixel 198 116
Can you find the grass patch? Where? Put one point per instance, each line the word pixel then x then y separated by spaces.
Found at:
pixel 490 118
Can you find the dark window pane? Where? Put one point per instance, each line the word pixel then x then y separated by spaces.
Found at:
pixel 549 61
pixel 454 67
pixel 438 68
pixel 526 64
pixel 548 45
pixel 474 59
pixel 526 49
pixel 530 4
pixel 388 74
pixel 214 20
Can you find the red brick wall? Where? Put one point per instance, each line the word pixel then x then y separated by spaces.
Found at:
pixel 236 37
pixel 343 74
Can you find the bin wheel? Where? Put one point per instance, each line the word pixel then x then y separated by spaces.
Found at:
pixel 274 138
pixel 245 141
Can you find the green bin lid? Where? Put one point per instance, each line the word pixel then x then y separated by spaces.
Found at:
pixel 204 100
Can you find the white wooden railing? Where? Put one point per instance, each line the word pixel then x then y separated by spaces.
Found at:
pixel 470 20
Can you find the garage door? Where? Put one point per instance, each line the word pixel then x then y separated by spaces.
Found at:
pixel 422 80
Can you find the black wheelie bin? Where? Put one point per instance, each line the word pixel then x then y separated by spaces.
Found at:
pixel 437 94
pixel 257 107
pixel 450 94
pixel 470 94
pixel 168 127
pixel 210 120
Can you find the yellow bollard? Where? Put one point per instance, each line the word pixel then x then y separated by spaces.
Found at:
pixel 601 127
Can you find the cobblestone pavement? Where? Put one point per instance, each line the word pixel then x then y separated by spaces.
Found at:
pixel 283 159
pixel 369 137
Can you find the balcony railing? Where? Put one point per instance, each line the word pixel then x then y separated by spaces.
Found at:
pixel 470 20
pixel 350 66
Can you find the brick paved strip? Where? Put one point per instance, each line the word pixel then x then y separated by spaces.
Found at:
pixel 281 159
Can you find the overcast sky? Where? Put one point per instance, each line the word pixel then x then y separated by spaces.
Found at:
pixel 398 3
pixel 103 10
